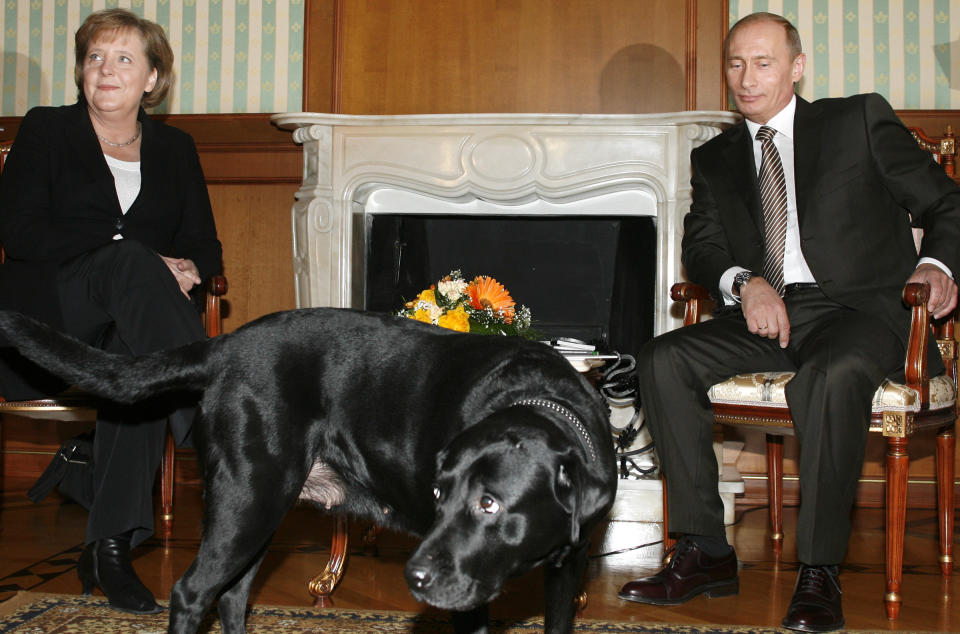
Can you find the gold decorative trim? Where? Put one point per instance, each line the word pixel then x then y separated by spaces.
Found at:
pixel 947 145
pixel 897 424
pixel 947 347
pixel 728 419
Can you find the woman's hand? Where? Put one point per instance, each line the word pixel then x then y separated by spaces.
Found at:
pixel 185 272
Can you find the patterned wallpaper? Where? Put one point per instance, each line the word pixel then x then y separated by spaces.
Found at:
pixel 230 55
pixel 902 49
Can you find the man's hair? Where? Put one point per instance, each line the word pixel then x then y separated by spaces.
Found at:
pixel 159 53
pixel 793 37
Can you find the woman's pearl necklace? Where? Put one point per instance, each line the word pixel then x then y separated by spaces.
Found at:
pixel 112 144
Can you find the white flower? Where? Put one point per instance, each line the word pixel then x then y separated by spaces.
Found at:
pixel 452 289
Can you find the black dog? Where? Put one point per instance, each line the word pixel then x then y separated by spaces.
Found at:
pixel 494 449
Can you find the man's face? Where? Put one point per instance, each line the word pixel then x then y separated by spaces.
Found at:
pixel 760 70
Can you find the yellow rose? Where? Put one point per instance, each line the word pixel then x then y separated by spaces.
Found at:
pixel 421 315
pixel 456 319
pixel 427 296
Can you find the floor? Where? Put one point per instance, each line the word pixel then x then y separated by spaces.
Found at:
pixel 39 545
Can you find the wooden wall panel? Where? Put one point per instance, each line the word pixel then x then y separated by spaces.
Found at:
pixel 253 222
pixel 425 56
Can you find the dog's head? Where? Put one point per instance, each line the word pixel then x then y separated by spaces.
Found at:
pixel 512 492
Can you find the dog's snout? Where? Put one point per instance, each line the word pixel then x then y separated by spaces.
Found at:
pixel 419 577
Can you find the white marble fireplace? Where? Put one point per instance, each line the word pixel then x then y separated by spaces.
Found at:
pixel 486 164
pixel 493 164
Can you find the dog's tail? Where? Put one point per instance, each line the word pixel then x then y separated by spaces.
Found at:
pixel 117 377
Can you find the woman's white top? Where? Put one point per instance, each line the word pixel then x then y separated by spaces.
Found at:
pixel 126 178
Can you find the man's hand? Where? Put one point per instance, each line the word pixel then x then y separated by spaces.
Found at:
pixel 185 271
pixel 765 311
pixel 943 290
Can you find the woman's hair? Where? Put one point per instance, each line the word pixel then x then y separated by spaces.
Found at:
pixel 159 53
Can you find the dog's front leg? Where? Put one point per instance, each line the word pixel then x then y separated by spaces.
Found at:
pixel 473 622
pixel 562 582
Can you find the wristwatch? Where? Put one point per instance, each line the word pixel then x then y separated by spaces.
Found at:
pixel 740 279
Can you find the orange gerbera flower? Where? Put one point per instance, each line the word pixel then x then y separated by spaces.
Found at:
pixel 486 292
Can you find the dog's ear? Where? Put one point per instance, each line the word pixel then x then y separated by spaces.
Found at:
pixel 578 493
pixel 566 488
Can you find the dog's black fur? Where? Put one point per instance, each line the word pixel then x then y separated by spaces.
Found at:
pixel 380 417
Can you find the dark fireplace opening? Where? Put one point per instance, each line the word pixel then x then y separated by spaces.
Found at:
pixel 587 277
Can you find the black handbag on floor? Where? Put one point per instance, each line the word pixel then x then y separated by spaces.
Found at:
pixel 71 471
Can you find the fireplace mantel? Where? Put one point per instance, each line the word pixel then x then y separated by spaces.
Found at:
pixel 499 159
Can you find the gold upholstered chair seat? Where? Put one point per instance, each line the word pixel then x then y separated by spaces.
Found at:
pixel 768 388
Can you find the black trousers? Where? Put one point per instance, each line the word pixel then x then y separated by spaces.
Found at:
pixel 123 298
pixel 840 356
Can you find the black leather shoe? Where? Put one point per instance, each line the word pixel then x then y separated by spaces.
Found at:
pixel 106 564
pixel 817 601
pixel 689 573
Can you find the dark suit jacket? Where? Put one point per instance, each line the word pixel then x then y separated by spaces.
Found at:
pixel 58 200
pixel 861 179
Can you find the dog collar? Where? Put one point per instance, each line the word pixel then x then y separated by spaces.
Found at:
pixel 563 411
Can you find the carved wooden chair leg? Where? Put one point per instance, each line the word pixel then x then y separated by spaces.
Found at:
pixel 946 448
pixel 775 490
pixel 667 540
pixel 323 585
pixel 166 487
pixel 897 462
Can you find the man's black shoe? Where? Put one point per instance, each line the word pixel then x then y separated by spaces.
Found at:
pixel 689 573
pixel 817 601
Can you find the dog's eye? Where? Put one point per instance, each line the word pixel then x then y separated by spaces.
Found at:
pixel 489 505
pixel 436 493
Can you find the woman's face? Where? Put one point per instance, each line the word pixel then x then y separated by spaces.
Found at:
pixel 116 73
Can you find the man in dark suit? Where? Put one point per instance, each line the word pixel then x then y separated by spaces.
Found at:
pixel 801 226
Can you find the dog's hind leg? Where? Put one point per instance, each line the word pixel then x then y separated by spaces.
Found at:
pixel 561 584
pixel 238 526
pixel 232 604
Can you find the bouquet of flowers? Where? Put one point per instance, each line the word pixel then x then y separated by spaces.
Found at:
pixel 482 306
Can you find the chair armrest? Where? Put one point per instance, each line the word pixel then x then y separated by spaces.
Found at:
pixel 915 296
pixel 693 295
pixel 216 288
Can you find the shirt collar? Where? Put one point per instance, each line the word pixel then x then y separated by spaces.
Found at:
pixel 782 122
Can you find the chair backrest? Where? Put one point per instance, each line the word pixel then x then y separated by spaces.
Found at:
pixel 4 150
pixel 944 149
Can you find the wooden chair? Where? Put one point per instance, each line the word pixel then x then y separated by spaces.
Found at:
pixel 757 401
pixel 74 406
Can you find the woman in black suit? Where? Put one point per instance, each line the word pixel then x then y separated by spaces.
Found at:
pixel 107 227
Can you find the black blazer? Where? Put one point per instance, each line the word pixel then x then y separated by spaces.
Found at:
pixel 861 181
pixel 58 200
